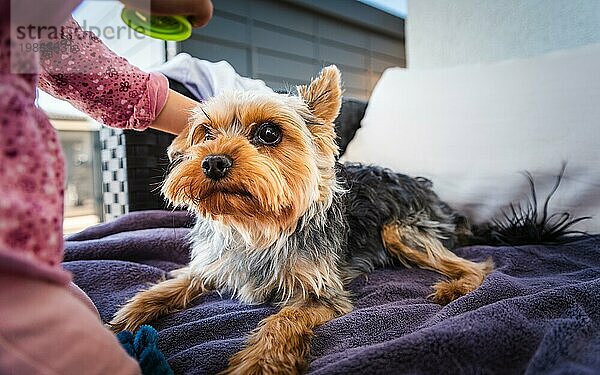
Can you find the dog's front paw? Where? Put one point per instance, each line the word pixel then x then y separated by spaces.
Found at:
pixel 256 359
pixel 129 318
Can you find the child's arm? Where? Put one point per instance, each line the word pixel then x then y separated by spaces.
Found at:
pixel 105 86
pixel 175 114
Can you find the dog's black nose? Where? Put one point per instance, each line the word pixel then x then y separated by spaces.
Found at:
pixel 216 167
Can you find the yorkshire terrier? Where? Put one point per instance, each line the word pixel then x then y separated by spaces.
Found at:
pixel 280 221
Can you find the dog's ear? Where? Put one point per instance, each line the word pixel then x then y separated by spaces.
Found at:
pixel 324 94
pixel 179 144
pixel 184 140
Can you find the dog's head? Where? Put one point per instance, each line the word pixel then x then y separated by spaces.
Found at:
pixel 259 161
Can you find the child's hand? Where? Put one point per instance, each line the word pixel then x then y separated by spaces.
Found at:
pixel 199 12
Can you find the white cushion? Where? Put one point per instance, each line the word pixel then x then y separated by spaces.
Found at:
pixel 473 130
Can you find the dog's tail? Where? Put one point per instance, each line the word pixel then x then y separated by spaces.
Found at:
pixel 525 223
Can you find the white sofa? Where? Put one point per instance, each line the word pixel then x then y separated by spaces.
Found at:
pixel 474 130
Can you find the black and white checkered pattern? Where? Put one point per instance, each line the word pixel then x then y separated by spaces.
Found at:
pixel 114 173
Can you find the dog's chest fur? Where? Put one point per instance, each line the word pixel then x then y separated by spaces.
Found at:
pixel 304 263
pixel 326 251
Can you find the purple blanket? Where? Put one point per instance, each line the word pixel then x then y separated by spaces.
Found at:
pixel 538 312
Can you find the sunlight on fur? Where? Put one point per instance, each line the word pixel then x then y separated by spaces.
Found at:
pixel 280 222
pixel 268 189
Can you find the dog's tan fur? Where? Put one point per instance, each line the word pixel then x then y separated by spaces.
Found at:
pixel 270 194
pixel 161 299
pixel 281 342
pixel 416 248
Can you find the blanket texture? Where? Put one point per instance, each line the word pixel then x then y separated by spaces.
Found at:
pixel 538 312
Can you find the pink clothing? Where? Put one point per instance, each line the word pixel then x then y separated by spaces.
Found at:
pixel 47 325
pixel 103 85
pixel 50 331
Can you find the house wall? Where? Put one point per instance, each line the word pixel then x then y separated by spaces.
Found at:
pixel 286 42
pixel 443 33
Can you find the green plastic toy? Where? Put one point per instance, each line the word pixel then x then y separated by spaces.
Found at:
pixel 172 28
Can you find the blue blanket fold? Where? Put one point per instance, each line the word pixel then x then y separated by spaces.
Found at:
pixel 538 312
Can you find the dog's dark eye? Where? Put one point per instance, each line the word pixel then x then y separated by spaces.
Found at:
pixel 208 134
pixel 268 134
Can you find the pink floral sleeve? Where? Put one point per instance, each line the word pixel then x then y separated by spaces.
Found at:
pixel 100 83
